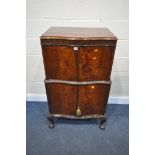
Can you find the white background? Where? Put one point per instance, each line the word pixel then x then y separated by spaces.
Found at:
pixel 13 85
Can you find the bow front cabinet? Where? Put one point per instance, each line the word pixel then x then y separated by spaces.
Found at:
pixel 78 64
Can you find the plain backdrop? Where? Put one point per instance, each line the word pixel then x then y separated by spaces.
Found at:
pixel 13 77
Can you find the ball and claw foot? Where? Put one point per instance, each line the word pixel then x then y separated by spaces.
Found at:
pixel 52 122
pixel 102 123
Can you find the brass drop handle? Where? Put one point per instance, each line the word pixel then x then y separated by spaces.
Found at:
pixel 78 111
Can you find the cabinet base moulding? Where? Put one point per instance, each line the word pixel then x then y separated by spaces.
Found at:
pixel 76 117
pixel 101 118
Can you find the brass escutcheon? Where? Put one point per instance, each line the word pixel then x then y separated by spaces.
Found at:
pixel 78 112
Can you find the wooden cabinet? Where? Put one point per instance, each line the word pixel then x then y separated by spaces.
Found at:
pixel 78 64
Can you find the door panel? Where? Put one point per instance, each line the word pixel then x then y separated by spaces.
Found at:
pixel 62 98
pixel 95 63
pixel 93 98
pixel 59 62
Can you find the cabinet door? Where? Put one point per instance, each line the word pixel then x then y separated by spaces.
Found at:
pixel 95 63
pixel 93 99
pixel 62 98
pixel 59 62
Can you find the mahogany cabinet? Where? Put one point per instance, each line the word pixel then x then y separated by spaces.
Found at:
pixel 78 64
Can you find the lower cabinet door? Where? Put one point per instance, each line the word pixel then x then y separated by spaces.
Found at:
pixel 62 98
pixel 93 99
pixel 67 99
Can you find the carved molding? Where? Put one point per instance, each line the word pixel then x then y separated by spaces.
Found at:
pixel 77 117
pixel 62 42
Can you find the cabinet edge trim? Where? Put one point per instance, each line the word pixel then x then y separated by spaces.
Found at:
pixel 78 83
pixel 76 117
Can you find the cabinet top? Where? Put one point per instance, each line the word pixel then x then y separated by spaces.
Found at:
pixel 78 33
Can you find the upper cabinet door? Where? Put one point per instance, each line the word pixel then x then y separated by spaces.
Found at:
pixel 95 63
pixel 59 62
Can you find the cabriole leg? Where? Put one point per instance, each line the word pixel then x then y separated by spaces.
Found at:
pixel 102 121
pixel 52 121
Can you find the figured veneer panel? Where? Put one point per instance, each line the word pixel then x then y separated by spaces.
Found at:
pixel 59 62
pixel 93 98
pixel 95 63
pixel 62 98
